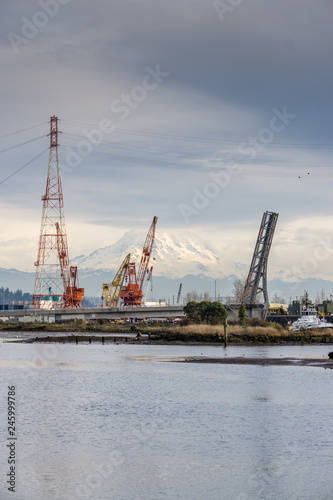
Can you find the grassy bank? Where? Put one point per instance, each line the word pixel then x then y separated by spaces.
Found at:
pixel 237 334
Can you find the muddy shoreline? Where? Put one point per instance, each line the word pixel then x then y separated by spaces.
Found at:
pixel 324 363
pixel 80 331
pixel 150 339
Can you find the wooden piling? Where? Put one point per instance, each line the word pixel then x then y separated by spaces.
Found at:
pixel 225 333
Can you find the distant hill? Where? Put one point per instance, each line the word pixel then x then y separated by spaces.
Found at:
pixel 167 288
pixel 14 279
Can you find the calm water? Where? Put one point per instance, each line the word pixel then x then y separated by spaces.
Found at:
pixel 118 422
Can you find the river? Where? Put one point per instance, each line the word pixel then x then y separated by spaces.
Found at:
pixel 120 421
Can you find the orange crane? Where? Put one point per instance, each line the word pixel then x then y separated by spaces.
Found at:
pixel 132 292
pixel 73 295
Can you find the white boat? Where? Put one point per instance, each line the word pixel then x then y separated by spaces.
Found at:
pixel 310 319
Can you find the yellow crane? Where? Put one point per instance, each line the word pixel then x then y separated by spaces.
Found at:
pixel 111 296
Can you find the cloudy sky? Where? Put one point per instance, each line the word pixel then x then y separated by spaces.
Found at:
pixel 204 113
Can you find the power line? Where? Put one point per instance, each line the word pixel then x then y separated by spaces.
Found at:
pixel 199 139
pixel 23 130
pixel 141 149
pixel 21 168
pixel 149 134
pixel 22 144
pixel 273 170
pixel 198 156
pixel 212 162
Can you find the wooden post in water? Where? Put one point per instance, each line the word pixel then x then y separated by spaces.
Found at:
pixel 225 333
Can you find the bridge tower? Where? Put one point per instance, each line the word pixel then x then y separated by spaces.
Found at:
pixel 56 283
pixel 255 290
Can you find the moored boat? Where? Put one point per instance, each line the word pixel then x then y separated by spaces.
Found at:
pixel 310 319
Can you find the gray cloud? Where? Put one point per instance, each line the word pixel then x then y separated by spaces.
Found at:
pixel 224 80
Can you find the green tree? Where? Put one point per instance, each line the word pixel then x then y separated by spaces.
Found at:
pixel 242 314
pixel 206 312
pixel 216 313
pixel 202 309
pixel 191 310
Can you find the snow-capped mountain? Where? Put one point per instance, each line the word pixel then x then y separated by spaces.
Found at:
pixel 177 258
pixel 174 255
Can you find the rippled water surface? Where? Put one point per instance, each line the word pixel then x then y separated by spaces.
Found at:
pixel 124 422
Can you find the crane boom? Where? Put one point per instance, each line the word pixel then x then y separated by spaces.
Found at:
pixel 73 295
pixel 118 281
pixel 112 296
pixel 63 255
pixel 147 248
pixel 179 293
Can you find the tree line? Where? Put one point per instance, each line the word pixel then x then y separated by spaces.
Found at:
pixel 7 295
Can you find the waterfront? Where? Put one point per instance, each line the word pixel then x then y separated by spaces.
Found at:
pixel 125 422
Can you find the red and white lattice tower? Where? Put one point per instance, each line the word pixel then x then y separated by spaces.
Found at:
pixel 56 282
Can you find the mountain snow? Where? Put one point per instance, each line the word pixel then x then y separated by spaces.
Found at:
pixel 173 256
pixel 177 258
